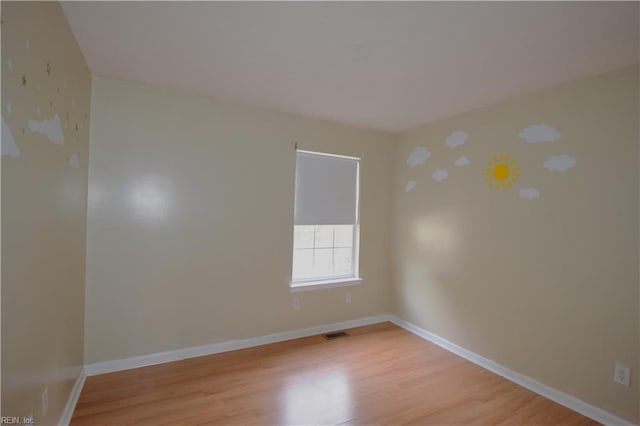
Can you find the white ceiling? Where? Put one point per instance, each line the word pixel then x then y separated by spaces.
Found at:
pixel 381 65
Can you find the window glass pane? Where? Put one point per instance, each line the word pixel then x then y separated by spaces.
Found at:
pixel 303 236
pixel 343 236
pixel 324 236
pixel 342 261
pixel 323 262
pixel 302 264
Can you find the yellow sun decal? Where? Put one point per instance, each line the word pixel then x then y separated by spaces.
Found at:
pixel 502 172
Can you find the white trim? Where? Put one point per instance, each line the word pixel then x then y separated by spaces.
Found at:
pixel 355 250
pixel 65 419
pixel 561 398
pixel 326 154
pixel 319 285
pixel 196 351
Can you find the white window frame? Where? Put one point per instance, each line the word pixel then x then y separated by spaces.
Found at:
pixel 314 283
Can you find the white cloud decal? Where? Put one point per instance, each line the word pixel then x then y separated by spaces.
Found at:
pixel 74 161
pixel 560 163
pixel 418 156
pixel 9 147
pixel 51 128
pixel 462 161
pixel 537 133
pixel 440 175
pixel 529 193
pixel 410 185
pixel 456 139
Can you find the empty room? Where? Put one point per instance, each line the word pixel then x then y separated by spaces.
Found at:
pixel 320 213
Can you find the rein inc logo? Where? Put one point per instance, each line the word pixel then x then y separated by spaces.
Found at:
pixel 15 420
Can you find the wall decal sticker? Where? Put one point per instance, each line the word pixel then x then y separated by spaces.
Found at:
pixel 9 147
pixel 74 161
pixel 462 161
pixel 537 133
pixel 560 163
pixel 501 172
pixel 418 156
pixel 529 193
pixel 50 128
pixel 410 185
pixel 456 139
pixel 440 175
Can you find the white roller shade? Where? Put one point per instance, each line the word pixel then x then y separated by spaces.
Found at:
pixel 326 189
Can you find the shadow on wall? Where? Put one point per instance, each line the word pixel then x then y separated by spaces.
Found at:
pixel 430 265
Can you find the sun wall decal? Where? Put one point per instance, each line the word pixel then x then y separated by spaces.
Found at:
pixel 501 172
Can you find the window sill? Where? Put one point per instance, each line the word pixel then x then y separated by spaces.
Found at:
pixel 319 285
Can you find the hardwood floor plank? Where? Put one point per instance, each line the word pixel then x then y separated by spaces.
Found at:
pixel 379 374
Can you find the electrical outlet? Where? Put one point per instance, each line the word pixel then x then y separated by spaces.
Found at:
pixel 45 400
pixel 622 375
pixel 296 303
pixel 347 298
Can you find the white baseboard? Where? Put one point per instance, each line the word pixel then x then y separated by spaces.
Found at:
pixel 65 419
pixel 561 398
pixel 196 351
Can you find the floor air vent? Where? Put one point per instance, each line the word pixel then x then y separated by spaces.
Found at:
pixel 334 335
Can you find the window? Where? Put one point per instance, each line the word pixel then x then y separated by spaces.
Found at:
pixel 322 251
pixel 325 242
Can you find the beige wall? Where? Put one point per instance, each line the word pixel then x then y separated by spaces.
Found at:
pixel 190 222
pixel 43 209
pixel 549 286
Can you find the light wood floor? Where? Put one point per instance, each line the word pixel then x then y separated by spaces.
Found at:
pixel 380 374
